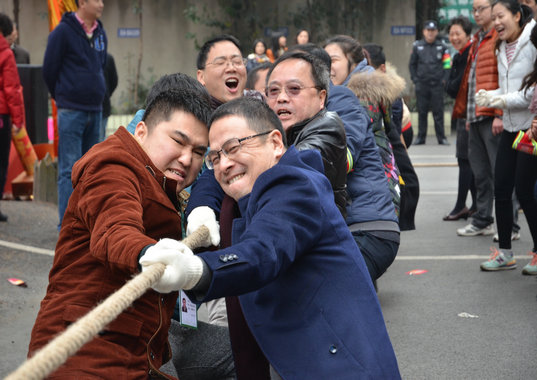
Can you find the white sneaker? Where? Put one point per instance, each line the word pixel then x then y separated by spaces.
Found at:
pixel 514 236
pixel 471 230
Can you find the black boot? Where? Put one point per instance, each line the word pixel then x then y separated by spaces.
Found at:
pixel 3 217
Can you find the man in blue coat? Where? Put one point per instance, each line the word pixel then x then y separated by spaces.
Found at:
pixel 302 283
pixel 73 71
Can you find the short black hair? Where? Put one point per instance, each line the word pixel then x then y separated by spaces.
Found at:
pixel 463 21
pixel 315 50
pixel 204 51
pixel 6 25
pixel 258 115
pixel 253 74
pixel 187 95
pixel 376 54
pixel 319 71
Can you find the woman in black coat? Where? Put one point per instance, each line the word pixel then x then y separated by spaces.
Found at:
pixel 460 30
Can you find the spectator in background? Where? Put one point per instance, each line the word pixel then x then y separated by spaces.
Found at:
pixel 11 101
pixel 256 78
pixel 279 46
pixel 302 37
pixel 347 57
pixel 21 54
pixel 532 4
pixel 514 169
pixel 481 73
pixel 73 69
pixel 259 55
pixel 429 69
pixel 110 78
pixel 460 29
pixel 393 120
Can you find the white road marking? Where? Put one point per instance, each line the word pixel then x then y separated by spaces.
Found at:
pixel 27 248
pixel 50 252
pixel 452 257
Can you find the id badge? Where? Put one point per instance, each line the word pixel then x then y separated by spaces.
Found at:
pixel 188 312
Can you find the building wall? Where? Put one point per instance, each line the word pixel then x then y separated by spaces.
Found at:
pixel 166 48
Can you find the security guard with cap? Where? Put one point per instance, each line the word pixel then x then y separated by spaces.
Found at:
pixel 429 67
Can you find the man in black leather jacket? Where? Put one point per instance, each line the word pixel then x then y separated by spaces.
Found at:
pixel 296 90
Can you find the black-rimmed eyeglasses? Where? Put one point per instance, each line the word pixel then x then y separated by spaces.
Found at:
pixel 229 148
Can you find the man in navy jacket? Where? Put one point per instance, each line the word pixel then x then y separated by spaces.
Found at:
pixel 73 71
pixel 303 286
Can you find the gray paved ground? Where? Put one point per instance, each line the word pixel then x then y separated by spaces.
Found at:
pixel 421 312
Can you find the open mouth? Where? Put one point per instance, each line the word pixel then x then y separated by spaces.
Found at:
pixel 235 179
pixel 177 173
pixel 232 83
pixel 283 113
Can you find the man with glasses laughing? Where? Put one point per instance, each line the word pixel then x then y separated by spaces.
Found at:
pixel 303 286
pixel 296 91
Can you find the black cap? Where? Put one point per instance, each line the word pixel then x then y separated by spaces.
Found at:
pixel 430 24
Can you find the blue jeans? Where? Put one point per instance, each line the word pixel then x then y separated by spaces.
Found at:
pixel 78 131
pixel 102 130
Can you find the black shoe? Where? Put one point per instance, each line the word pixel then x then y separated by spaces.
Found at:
pixel 418 141
pixel 443 142
pixel 3 217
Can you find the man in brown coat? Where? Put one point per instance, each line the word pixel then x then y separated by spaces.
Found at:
pixel 124 201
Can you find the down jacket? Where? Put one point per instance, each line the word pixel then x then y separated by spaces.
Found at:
pixel 486 75
pixel 11 101
pixel 516 115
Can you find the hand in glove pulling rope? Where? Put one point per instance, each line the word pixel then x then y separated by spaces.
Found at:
pixel 183 268
pixel 204 216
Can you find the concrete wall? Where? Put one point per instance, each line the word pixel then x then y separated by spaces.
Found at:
pixel 166 48
pixel 397 48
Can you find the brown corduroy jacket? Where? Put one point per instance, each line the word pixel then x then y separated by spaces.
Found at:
pixel 121 203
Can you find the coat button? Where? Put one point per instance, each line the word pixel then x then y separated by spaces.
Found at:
pixel 235 257
pixel 332 349
pixel 152 355
pixel 223 258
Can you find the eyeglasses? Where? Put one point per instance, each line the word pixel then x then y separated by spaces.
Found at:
pixel 236 61
pixel 479 10
pixel 229 148
pixel 291 90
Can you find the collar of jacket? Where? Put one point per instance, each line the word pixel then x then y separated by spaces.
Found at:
pixel 296 128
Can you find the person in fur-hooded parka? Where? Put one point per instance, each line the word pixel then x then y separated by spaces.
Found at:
pixel 384 89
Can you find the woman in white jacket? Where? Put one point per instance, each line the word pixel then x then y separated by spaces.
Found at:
pixel 516 57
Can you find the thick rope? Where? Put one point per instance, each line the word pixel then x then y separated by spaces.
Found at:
pixel 57 351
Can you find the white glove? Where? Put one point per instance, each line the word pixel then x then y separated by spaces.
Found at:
pixel 204 216
pixel 183 268
pixel 483 98
pixel 498 101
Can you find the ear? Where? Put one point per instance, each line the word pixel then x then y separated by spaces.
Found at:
pixel 200 77
pixel 141 132
pixel 322 96
pixel 276 140
pixel 382 67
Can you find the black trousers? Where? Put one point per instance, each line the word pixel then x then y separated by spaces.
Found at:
pixel 430 97
pixel 5 145
pixel 516 170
